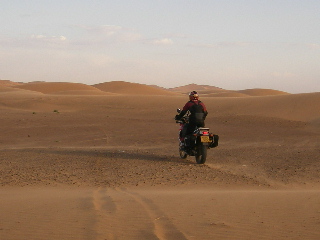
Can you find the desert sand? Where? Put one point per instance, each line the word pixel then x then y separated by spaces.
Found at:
pixel 102 162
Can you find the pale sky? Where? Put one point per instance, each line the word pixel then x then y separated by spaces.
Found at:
pixel 232 44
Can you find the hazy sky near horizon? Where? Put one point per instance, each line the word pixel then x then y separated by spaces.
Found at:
pixel 232 44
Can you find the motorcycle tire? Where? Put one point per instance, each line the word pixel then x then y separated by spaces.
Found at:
pixel 201 154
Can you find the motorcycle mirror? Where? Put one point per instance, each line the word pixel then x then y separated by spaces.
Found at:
pixel 178 110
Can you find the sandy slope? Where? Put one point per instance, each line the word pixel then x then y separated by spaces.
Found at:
pixel 106 167
pixel 202 89
pixel 131 88
pixel 158 214
pixel 61 88
pixel 261 92
pixel 210 91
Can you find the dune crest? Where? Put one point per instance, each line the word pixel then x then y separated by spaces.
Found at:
pixel 204 89
pixel 227 94
pixel 4 88
pixel 128 88
pixel 122 87
pixel 261 92
pixel 211 91
pixel 8 83
pixel 59 87
pixel 17 91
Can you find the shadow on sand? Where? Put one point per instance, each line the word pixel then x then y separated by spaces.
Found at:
pixel 114 154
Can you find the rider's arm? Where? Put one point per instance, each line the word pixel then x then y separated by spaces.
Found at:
pixel 184 110
pixel 204 110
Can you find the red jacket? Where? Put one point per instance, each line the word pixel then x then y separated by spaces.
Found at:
pixel 197 114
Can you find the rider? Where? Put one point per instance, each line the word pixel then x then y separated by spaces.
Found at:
pixel 198 113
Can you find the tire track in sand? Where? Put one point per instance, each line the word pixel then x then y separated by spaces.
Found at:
pixel 163 226
pixel 121 214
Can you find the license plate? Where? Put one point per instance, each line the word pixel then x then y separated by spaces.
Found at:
pixel 205 139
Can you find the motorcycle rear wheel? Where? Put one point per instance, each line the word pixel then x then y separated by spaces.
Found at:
pixel 201 155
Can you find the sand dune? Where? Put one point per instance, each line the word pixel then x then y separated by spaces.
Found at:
pixel 8 83
pixel 296 107
pixel 211 91
pixel 204 89
pixel 12 91
pixel 230 94
pixel 82 92
pixel 7 89
pixel 118 87
pixel 78 164
pixel 262 92
pixel 130 88
pixel 60 87
pixel 8 86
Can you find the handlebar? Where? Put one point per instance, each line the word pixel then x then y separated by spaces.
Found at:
pixel 183 120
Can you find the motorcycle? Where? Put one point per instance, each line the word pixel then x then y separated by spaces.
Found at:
pixel 197 143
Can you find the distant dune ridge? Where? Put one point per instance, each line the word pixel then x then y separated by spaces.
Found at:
pixel 211 91
pixel 200 88
pixel 130 88
pixel 261 92
pixel 267 102
pixel 59 87
pixel 121 87
pixel 8 83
